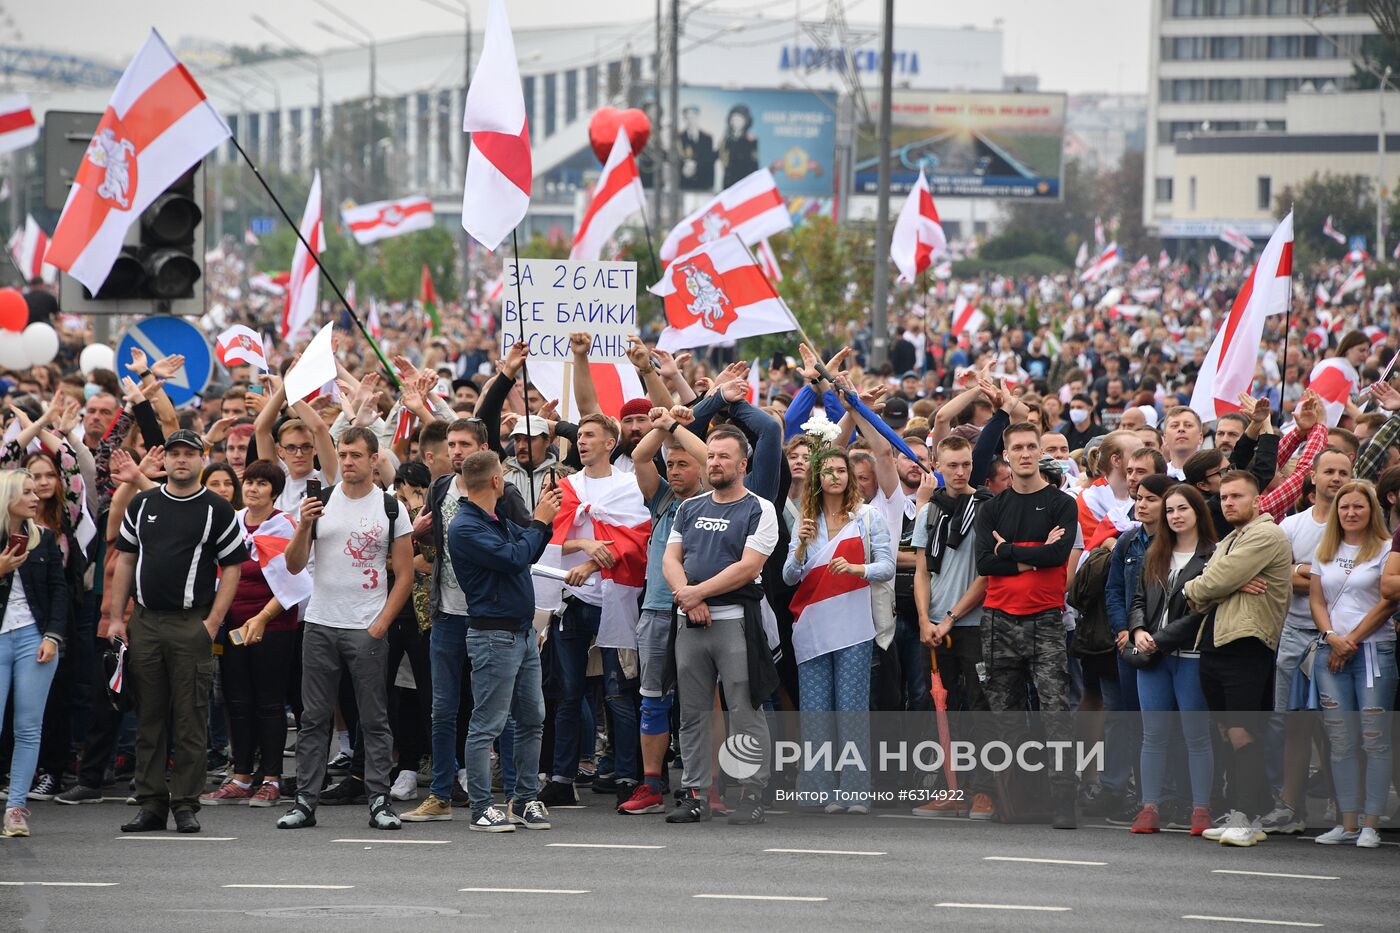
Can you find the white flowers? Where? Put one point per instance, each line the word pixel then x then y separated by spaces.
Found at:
pixel 819 425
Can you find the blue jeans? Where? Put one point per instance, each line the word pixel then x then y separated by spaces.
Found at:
pixel 834 691
pixel 913 663
pixel 620 693
pixel 20 667
pixel 505 684
pixel 573 634
pixel 1122 734
pixel 1174 684
pixel 1351 710
pixel 447 651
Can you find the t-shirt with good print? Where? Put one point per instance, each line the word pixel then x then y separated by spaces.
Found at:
pixel 352 560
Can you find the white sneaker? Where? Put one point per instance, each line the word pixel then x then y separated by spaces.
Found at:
pixel 1369 838
pixel 405 786
pixel 1233 820
pixel 1339 835
pixel 1282 819
pixel 1247 835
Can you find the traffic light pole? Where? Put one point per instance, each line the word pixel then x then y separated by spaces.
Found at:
pixel 354 315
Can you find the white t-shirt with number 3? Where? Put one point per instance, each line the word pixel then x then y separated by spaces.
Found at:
pixel 352 560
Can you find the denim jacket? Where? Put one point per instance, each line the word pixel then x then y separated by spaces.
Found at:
pixel 1124 572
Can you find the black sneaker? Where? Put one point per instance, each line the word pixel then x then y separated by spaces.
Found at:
pixel 1106 803
pixel 606 784
pixel 1064 812
pixel 79 794
pixel 45 787
pixel 558 794
pixel 340 764
pixel 459 796
pixel 349 791
pixel 1126 813
pixel 693 807
pixel 625 790
pixel 749 810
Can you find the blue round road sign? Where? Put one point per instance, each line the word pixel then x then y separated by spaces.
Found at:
pixel 161 336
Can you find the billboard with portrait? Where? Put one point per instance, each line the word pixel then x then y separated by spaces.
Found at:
pixel 970 144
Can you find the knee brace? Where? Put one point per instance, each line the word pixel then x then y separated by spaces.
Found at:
pixel 656 714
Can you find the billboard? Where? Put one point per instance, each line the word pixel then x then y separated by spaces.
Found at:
pixel 970 144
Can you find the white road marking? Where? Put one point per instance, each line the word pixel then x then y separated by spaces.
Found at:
pixel 295 887
pixel 1129 828
pixel 524 890
pixel 399 842
pixel 1040 861
pixel 596 845
pixel 1274 874
pixel 968 906
pixel 825 852
pixel 757 897
pixel 60 884
pixel 1272 923
pixel 190 838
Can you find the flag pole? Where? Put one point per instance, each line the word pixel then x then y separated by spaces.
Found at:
pixel 296 228
pixel 524 367
pixel 1283 366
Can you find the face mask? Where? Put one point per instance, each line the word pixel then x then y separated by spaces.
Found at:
pixel 1068 467
pixel 90 389
pixel 1079 416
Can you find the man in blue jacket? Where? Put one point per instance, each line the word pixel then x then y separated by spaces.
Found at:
pixel 491 558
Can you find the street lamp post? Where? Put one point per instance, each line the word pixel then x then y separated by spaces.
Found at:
pixel 1380 165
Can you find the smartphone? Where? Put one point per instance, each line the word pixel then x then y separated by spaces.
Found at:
pixel 313 488
pixel 255 388
pixel 236 636
pixel 553 479
pixel 18 542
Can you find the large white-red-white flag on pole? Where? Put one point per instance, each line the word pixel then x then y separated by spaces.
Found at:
pixel 1330 231
pixel 28 246
pixel 155 127
pixel 1229 366
pixel 499 170
pixel 1354 281
pixel 617 196
pixel 380 220
pixel 1335 381
pixel 918 233
pixel 831 611
pixel 716 294
pixel 1101 264
pixel 752 208
pixel 1238 240
pixel 304 285
pixel 768 260
pixel 18 128
pixel 240 345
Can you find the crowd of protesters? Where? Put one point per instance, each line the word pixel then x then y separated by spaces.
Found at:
pixel 192 598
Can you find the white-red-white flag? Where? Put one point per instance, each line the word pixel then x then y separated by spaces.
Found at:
pixel 249 237
pixel 155 127
pixel 615 384
pixel 304 285
pixel 499 171
pixel 376 329
pixel 267 544
pixel 754 382
pixel 1163 260
pixel 752 208
pixel 1142 265
pixel 617 196
pixel 718 293
pixel 1356 255
pixel 241 345
pixel 18 128
pixel 1238 240
pixel 268 284
pixel 966 318
pixel 1229 366
pixel 28 246
pixel 1354 281
pixel 1330 231
pixel 768 260
pixel 1320 297
pixel 1335 381
pixel 1213 257
pixel 380 220
pixel 831 611
pixel 1101 264
pixel 1082 256
pixel 918 233
pixel 1099 240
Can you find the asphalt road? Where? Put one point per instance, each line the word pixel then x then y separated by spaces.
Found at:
pixel 600 871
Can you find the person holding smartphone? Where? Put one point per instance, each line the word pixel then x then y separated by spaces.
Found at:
pixel 34 600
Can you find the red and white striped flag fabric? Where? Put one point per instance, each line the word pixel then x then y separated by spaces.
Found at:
pixel 249 237
pixel 1163 260
pixel 1146 295
pixel 1229 366
pixel 241 345
pixel 918 233
pixel 304 285
pixel 269 284
pixel 499 171
pixel 1395 253
pixel 1238 240
pixel 379 220
pixel 617 196
pixel 1082 256
pixel 1321 297
pixel 752 208
pixel 376 329
pixel 1142 265
pixel 967 317
pixel 615 383
pixel 1099 240
pixel 267 544
pixel 1104 262
pixel 1213 257
pixel 768 260
pixel 18 128
pixel 407 426
pixel 611 509
pixel 155 127
pixel 28 246
pixel 1335 381
pixel 718 293
pixel 495 289
pixel 1330 231
pixel 831 611
pixel 1355 280
pixel 1356 255
pixel 754 382
pixel 1315 338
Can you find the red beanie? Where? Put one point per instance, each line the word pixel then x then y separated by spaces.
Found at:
pixel 637 406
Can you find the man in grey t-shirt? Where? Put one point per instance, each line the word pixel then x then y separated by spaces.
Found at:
pixel 714 556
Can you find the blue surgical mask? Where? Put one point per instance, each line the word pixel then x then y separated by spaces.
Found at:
pixel 90 389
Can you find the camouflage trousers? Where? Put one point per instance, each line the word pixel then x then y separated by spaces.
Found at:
pixel 1021 652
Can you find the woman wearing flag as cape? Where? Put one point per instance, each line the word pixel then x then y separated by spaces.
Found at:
pixel 840 548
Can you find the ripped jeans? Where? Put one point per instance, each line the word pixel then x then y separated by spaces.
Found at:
pixel 1352 711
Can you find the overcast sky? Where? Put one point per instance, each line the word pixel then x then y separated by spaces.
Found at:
pixel 1074 45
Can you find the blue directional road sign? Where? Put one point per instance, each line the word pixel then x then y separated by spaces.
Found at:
pixel 161 336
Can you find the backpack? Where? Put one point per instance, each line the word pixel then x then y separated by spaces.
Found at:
pixel 391 508
pixel 1092 632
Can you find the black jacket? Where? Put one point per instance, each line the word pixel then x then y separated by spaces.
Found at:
pixel 1151 596
pixel 45 588
pixel 510 506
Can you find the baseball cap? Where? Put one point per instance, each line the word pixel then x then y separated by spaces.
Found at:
pixel 896 413
pixel 185 437
pixel 530 426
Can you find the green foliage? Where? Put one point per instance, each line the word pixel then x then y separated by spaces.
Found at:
pixel 1024 241
pixel 1034 264
pixel 390 269
pixel 1348 199
pixel 341 257
pixel 1086 195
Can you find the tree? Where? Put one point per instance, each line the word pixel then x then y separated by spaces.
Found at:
pixel 1378 52
pixel 1347 199
pixel 1085 196
pixel 341 257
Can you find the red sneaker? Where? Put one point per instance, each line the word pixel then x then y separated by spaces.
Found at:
pixel 267 795
pixel 1200 820
pixel 1146 821
pixel 983 808
pixel 643 800
pixel 228 793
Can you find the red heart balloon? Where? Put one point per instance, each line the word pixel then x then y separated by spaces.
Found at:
pixel 602 130
pixel 14 310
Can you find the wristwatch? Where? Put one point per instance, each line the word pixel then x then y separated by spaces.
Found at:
pixel 950 614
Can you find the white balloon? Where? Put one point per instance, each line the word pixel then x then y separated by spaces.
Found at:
pixel 40 343
pixel 97 356
pixel 13 355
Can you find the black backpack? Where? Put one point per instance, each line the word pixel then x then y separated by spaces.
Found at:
pixel 1092 633
pixel 391 508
